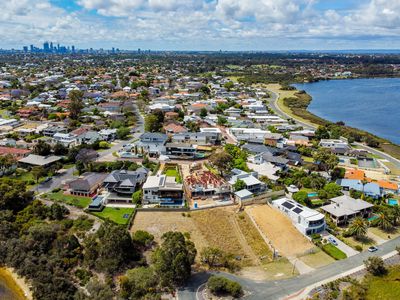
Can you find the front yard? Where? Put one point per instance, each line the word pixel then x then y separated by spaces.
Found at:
pixel 81 202
pixel 119 215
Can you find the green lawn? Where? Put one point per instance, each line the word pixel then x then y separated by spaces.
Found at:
pixel 333 251
pixel 77 201
pixel 385 287
pixel 173 172
pixel 115 214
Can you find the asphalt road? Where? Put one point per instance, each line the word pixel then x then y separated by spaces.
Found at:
pixel 278 289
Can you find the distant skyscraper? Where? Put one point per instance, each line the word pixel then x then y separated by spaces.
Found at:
pixel 46 47
pixel 32 48
pixel 25 48
pixel 73 48
pixel 51 46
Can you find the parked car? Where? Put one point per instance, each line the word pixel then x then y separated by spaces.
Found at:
pixel 332 241
pixel 372 249
pixel 48 179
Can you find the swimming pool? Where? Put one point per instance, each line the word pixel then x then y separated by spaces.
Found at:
pixel 314 194
pixel 393 202
pixel 372 218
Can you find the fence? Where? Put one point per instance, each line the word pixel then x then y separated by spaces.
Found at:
pixel 263 198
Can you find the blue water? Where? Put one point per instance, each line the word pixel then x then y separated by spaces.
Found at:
pixel 312 194
pixel 369 104
pixel 393 202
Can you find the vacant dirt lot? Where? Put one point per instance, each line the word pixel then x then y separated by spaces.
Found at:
pixel 158 223
pixel 279 230
pixel 218 227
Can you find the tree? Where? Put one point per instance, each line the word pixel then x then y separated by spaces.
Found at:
pixel 37 172
pixel 221 120
pixel 211 256
pixel 302 198
pixel 239 185
pixel 322 133
pixel 173 259
pixel 6 162
pixel 110 248
pixel 375 265
pixel 137 197
pixel 325 158
pixel 13 195
pixel 358 227
pixel 152 123
pixel 203 113
pixel 221 286
pixel 122 133
pixel 104 144
pixel 222 161
pixel 142 238
pixel 332 190
pixel 383 221
pixel 96 291
pixel 138 283
pixel 42 148
pixel 229 85
pixel 76 104
pixel 60 149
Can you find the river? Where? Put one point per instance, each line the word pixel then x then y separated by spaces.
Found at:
pixel 369 104
pixel 9 289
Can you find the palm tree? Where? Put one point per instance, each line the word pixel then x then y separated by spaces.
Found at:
pixel 383 221
pixel 395 214
pixel 358 227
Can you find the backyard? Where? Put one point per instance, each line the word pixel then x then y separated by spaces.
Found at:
pixel 172 171
pixel 119 215
pixel 78 201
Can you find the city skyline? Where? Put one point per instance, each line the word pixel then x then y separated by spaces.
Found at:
pixel 204 24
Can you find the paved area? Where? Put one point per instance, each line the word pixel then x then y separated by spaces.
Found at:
pixel 280 289
pixel 342 246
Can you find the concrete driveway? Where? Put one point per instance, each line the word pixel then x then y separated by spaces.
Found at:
pixel 342 246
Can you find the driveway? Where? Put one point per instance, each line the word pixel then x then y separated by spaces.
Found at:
pixel 342 246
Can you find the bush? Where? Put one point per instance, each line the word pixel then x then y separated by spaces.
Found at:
pixel 358 248
pixel 143 238
pixel 375 265
pixel 56 190
pixel 219 285
pixel 104 145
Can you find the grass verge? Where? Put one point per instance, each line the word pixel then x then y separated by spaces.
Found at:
pixel 334 252
pixel 119 215
pixel 77 201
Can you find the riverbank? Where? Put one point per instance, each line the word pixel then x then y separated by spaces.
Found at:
pixel 294 103
pixel 16 284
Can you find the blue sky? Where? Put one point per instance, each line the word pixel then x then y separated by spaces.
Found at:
pixel 203 24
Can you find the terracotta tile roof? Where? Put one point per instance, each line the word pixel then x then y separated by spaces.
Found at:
pixel 355 174
pixel 387 185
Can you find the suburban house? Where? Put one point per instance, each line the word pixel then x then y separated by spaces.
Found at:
pixel 334 144
pixel 65 139
pixel 306 220
pixel 108 134
pixel 16 153
pixel 153 142
pixel 162 190
pixel 198 138
pixel 344 208
pixel 250 180
pixel 121 184
pixel 245 134
pixel 371 189
pixel 273 139
pixel 53 129
pixel 37 160
pixel 180 150
pixel 205 184
pixel 87 185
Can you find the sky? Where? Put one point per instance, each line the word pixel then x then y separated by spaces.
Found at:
pixel 228 25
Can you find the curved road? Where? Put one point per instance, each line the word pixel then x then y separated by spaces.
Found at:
pixel 274 105
pixel 280 289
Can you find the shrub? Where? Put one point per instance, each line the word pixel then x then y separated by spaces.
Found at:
pixel 56 190
pixel 143 238
pixel 375 265
pixel 219 285
pixel 358 248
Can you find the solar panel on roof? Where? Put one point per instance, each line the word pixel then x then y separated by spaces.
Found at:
pixel 287 205
pixel 297 210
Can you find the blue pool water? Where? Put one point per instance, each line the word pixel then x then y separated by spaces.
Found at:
pixel 312 194
pixel 393 202
pixel 372 218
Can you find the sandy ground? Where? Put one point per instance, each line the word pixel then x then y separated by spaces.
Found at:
pixel 279 230
pixel 158 223
pixel 20 283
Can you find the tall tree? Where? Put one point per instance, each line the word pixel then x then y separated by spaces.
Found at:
pixel 76 104
pixel 326 158
pixel 173 259
pixel 358 227
pixel 42 148
pixel 383 221
pixel 222 161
